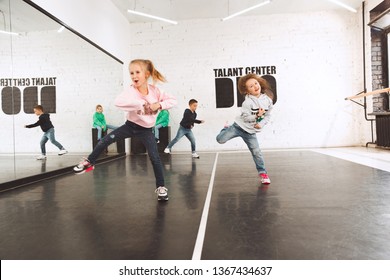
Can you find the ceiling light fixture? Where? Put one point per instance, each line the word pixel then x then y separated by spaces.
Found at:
pixel 247 10
pixel 9 33
pixel 61 29
pixel 349 8
pixel 151 16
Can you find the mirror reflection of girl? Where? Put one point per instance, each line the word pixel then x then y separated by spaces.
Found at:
pixel 99 122
pixel 255 114
pixel 48 132
pixel 141 101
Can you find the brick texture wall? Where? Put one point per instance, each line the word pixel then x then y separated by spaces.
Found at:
pixel 318 63
pixel 379 79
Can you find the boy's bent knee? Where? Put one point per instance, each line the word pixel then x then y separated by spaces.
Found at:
pixel 219 140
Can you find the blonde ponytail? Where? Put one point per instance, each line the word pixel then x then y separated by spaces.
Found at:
pixel 156 76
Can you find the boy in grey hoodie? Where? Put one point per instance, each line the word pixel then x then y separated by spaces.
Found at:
pixel 255 114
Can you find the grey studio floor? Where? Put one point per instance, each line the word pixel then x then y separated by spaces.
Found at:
pixel 322 204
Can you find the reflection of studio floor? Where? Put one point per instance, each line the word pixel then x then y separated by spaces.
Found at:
pixel 26 165
pixel 23 168
pixel 321 204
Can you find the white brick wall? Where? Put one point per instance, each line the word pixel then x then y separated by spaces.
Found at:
pixel 318 57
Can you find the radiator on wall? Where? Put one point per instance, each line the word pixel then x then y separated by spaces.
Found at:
pixel 383 130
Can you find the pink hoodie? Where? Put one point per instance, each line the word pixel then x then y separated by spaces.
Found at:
pixel 132 102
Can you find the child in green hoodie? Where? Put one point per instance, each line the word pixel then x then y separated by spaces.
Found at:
pixel 99 121
pixel 161 121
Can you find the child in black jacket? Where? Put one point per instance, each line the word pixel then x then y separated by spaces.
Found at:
pixel 185 129
pixel 48 132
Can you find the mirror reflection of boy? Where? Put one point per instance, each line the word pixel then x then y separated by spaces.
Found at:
pixel 48 132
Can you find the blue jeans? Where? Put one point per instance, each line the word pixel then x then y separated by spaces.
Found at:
pixel 99 129
pixel 49 135
pixel 187 132
pixel 130 129
pixel 250 139
pixel 156 131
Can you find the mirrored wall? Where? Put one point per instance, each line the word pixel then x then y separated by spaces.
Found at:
pixel 43 63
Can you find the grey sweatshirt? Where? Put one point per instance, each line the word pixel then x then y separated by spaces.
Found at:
pixel 250 107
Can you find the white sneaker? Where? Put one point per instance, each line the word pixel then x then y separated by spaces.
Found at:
pixel 41 157
pixel 162 193
pixel 62 152
pixel 195 155
pixel 167 151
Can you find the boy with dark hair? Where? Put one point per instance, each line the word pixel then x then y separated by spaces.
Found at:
pixel 48 132
pixel 185 129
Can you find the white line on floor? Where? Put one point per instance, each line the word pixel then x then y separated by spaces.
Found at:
pixel 197 254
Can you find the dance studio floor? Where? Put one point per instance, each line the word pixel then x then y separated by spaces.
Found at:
pixel 322 204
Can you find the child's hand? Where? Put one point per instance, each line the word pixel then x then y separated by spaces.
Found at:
pixel 202 121
pixel 261 112
pixel 148 109
pixel 258 126
pixel 155 106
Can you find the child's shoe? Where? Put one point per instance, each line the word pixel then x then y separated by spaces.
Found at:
pixel 264 178
pixel 83 166
pixel 157 140
pixel 162 193
pixel 62 152
pixel 167 151
pixel 195 155
pixel 41 157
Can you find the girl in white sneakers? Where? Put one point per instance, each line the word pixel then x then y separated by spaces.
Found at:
pixel 141 101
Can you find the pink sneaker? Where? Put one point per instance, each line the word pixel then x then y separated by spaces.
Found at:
pixel 83 166
pixel 264 178
pixel 226 125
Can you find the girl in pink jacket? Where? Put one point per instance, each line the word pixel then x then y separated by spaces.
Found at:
pixel 142 101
